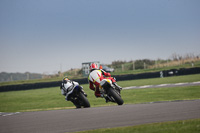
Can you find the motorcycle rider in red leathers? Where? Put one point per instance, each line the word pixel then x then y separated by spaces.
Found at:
pixel 95 76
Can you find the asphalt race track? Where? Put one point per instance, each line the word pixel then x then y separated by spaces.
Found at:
pixel 71 120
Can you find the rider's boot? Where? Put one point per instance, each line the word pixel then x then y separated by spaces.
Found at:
pixel 107 99
pixel 102 96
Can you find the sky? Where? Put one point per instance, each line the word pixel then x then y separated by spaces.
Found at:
pixel 47 36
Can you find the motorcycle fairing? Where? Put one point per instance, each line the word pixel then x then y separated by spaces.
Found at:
pixel 70 87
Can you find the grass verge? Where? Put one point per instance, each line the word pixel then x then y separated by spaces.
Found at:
pixel 184 126
pixel 165 80
pixel 51 98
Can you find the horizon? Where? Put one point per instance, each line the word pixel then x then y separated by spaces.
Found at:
pixel 173 57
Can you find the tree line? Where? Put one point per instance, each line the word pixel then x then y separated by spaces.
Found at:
pixel 4 76
pixel 148 63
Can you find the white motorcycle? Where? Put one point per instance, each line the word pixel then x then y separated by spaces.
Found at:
pixel 74 93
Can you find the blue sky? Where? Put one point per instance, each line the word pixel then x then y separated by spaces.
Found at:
pixel 43 35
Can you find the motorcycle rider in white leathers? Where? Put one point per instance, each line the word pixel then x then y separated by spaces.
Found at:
pixel 66 87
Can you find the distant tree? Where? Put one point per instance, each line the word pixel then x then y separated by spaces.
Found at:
pixel 117 64
pixel 139 64
pixel 4 77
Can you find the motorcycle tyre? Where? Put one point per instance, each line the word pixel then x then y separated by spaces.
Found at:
pixel 117 98
pixel 84 100
pixel 77 105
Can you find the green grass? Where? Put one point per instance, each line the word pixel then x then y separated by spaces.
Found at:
pixel 184 126
pixel 165 80
pixel 161 94
pixel 32 99
pixel 51 98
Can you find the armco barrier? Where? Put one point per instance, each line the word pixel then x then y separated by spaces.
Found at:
pixel 166 73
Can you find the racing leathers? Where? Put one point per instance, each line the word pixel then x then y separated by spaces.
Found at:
pixel 66 88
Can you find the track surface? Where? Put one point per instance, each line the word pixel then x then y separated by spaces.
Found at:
pixel 70 120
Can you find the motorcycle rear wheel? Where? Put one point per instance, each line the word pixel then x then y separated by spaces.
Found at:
pixel 117 98
pixel 84 100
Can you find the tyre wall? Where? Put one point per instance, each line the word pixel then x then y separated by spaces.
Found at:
pixel 166 73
